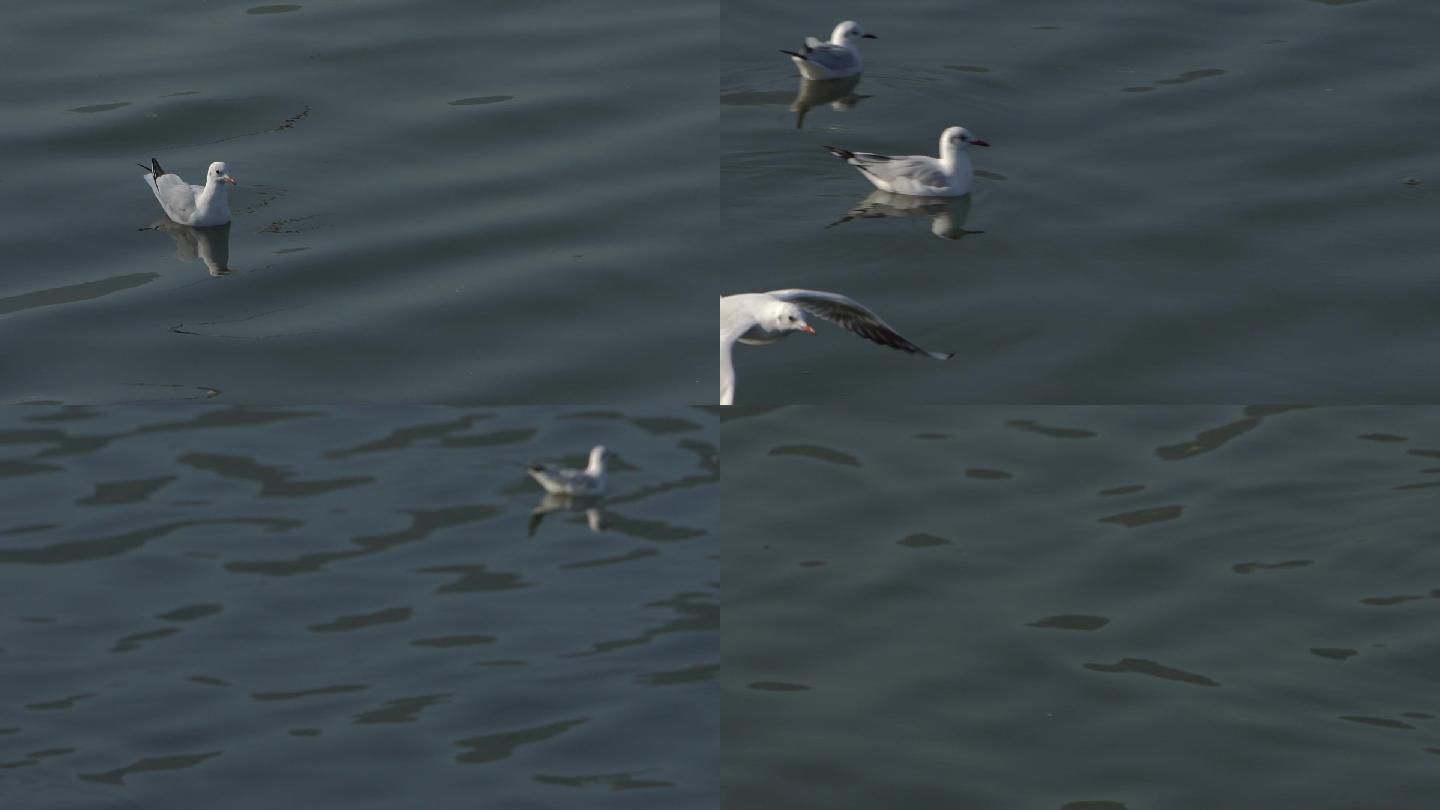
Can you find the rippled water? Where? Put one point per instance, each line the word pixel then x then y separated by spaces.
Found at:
pixel 438 201
pixel 1183 202
pixel 339 607
pixel 1081 608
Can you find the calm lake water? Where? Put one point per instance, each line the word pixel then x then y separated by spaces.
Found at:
pixel 439 201
pixel 1183 202
pixel 220 607
pixel 1082 608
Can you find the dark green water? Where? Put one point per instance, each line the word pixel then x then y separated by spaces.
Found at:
pixel 252 600
pixel 1081 608
pixel 204 606
pixel 1184 202
pixel 439 201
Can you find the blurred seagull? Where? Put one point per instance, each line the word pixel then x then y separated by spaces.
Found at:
pixel 835 59
pixel 589 481
pixel 760 318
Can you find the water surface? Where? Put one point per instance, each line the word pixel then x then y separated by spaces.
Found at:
pixel 227 607
pixel 1080 608
pixel 438 201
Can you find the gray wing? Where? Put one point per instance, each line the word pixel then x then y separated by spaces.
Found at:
pixel 918 169
pixel 855 318
pixel 176 196
pixel 575 479
pixel 826 55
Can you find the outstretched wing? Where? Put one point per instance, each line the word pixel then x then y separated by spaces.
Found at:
pixel 855 318
pixel 727 373
pixel 735 320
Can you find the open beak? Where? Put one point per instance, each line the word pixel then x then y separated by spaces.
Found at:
pixel 978 142
pixel 805 327
pixel 228 179
pixel 868 36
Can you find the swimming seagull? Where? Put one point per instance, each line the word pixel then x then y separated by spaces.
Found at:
pixel 589 481
pixel 760 318
pixel 950 175
pixel 835 59
pixel 197 206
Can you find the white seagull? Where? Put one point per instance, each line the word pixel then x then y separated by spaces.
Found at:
pixel 760 318
pixel 950 175
pixel 589 481
pixel 197 206
pixel 835 59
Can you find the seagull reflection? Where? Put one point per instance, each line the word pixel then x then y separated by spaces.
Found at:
pixel 211 245
pixel 947 213
pixel 838 93
pixel 594 509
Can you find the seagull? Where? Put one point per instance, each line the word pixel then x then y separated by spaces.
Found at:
pixel 589 481
pixel 191 205
pixel 760 318
pixel 950 175
pixel 835 59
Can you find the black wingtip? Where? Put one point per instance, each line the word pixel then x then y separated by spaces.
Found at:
pixel 535 468
pixel 843 154
pixel 792 53
pixel 155 167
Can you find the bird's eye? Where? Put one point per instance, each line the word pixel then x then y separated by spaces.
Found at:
pixel 792 318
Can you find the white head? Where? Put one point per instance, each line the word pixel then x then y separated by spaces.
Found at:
pixel 954 139
pixel 219 173
pixel 848 33
pixel 783 316
pixel 598 457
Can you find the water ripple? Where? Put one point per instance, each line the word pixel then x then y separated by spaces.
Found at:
pixel 493 747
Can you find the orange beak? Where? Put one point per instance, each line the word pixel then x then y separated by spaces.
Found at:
pixel 228 179
pixel 807 328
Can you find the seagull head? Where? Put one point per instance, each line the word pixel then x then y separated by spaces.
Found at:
pixel 598 457
pixel 220 173
pixel 849 33
pixel 959 138
pixel 786 317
